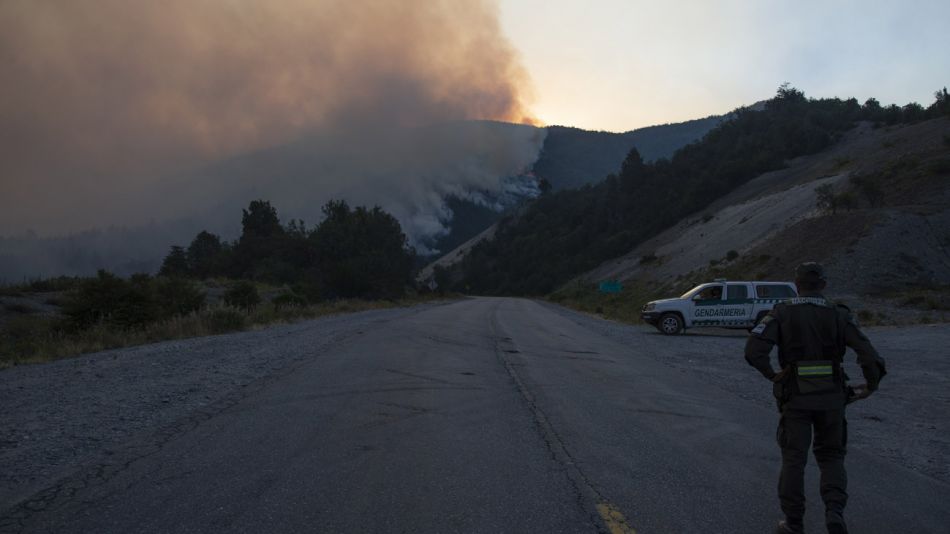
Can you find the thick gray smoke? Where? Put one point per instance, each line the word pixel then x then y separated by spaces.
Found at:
pixel 408 171
pixel 120 113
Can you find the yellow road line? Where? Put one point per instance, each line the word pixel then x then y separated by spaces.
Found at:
pixel 615 521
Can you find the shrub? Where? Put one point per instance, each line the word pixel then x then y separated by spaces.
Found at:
pixel 178 296
pixel 242 295
pixel 648 258
pixel 707 217
pixel 846 200
pixel 110 299
pixel 841 162
pixel 731 255
pixel 869 186
pixel 289 300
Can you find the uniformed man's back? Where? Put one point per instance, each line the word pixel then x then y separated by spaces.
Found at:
pixel 811 390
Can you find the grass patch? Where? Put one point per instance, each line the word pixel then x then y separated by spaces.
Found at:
pixel 872 318
pixel 33 339
pixel 624 306
pixel 936 299
pixel 840 163
pixel 647 259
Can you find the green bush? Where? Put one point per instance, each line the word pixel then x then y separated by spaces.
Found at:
pixel 112 300
pixel 242 295
pixel 178 296
pixel 128 304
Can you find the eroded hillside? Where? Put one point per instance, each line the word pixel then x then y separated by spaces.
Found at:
pixel 886 244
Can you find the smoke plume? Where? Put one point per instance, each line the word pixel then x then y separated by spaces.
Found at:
pixel 121 112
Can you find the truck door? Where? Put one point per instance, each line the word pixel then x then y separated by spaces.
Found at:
pixel 705 306
pixel 739 305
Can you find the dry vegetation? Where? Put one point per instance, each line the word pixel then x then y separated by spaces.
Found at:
pixel 33 338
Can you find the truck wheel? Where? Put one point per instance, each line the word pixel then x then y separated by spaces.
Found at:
pixel 671 324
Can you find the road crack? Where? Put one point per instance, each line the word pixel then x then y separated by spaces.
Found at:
pixel 603 516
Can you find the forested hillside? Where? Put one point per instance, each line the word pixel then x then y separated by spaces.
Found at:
pixel 572 157
pixel 565 233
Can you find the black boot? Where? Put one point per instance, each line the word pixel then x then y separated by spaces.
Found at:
pixel 789 527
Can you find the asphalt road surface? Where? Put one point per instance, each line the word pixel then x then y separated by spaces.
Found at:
pixel 482 415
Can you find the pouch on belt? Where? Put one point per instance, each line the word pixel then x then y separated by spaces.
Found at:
pixel 815 376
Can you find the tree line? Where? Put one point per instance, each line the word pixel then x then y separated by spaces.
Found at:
pixel 354 252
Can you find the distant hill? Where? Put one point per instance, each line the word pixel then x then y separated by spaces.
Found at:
pixel 572 158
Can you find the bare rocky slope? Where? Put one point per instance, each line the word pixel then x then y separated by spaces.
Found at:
pixel 898 245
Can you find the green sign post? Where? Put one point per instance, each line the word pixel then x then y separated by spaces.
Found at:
pixel 610 286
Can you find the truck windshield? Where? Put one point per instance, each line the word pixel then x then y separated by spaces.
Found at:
pixel 691 292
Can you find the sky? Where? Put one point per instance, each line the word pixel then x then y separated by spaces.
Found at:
pixel 107 105
pixel 617 65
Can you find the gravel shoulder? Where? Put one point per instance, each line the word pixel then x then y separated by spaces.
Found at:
pixel 906 421
pixel 64 414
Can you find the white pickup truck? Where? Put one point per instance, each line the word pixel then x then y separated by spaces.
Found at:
pixel 726 304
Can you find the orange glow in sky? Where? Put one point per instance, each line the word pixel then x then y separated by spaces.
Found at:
pixel 622 64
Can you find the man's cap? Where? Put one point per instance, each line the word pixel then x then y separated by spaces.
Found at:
pixel 810 269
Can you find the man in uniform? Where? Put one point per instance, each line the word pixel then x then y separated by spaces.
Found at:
pixel 812 335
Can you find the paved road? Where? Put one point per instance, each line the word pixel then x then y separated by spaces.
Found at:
pixel 484 415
